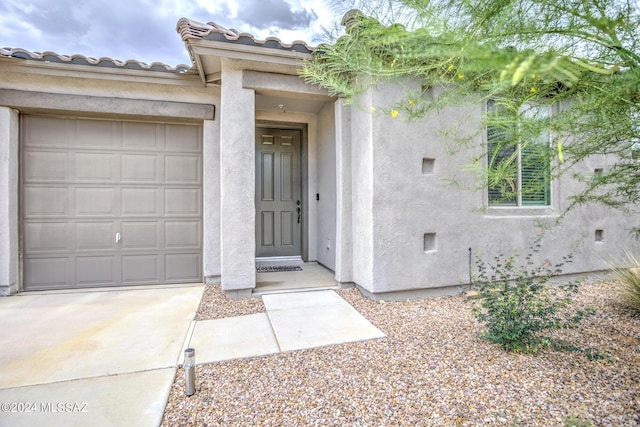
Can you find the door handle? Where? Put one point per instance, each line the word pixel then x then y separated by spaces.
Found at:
pixel 118 237
pixel 298 211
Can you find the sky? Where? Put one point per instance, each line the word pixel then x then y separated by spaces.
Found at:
pixel 145 30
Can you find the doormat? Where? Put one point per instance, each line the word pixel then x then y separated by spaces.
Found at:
pixel 276 268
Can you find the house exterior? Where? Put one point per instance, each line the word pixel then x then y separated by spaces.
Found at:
pixel 119 173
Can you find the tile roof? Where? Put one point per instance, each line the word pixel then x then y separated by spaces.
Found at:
pixel 130 64
pixel 189 29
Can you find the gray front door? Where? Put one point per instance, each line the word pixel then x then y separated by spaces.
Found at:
pixel 278 193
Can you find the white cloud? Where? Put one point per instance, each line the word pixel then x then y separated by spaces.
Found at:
pixel 145 29
pixel 13 29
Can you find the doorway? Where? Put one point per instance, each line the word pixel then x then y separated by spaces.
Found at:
pixel 279 210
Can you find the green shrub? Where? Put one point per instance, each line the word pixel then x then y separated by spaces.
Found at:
pixel 630 278
pixel 516 305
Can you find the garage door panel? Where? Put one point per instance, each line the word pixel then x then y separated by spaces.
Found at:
pixel 44 273
pixel 144 136
pixel 47 131
pixel 95 235
pixel 140 269
pixel 110 203
pixel 95 167
pixel 46 236
pixel 182 201
pixel 138 168
pixel 45 201
pixel 95 201
pixel 182 234
pixel 140 235
pixel 95 270
pixel 182 267
pixel 98 134
pixel 182 169
pixel 46 165
pixel 140 202
pixel 183 138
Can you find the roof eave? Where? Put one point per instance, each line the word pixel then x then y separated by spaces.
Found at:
pixel 242 52
pixel 23 66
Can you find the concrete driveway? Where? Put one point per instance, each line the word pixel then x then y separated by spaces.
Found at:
pixel 97 357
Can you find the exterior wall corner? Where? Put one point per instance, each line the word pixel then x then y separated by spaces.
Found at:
pixel 344 194
pixel 9 248
pixel 211 200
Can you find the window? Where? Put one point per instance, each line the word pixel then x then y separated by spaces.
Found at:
pixel 517 157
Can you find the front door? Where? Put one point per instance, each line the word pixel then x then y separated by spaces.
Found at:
pixel 278 193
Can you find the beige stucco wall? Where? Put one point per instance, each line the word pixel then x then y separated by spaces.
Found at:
pixel 362 194
pixel 396 204
pixel 326 187
pixel 375 206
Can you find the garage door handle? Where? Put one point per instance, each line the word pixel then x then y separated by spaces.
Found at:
pixel 118 237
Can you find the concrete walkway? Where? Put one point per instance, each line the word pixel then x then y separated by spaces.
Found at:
pixel 294 321
pixel 109 357
pixel 91 358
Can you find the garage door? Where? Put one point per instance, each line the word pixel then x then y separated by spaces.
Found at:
pixel 109 203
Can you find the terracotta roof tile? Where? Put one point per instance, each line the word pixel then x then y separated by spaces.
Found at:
pixel 130 64
pixel 189 29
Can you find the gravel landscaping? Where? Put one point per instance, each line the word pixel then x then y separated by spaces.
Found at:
pixel 431 370
pixel 215 305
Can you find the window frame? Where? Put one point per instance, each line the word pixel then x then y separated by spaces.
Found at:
pixel 517 203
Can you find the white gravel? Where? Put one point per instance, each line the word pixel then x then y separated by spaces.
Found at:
pixel 431 370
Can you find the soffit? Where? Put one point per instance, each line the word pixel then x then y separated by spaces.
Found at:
pixel 285 104
pixel 208 43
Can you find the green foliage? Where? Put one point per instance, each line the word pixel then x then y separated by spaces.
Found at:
pixel 516 305
pixel 580 57
pixel 629 276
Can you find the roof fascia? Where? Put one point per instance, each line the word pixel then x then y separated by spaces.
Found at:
pixel 200 68
pixel 248 53
pixel 94 72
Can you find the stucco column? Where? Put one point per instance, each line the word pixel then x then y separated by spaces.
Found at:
pixel 9 126
pixel 237 182
pixel 344 247
pixel 211 198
